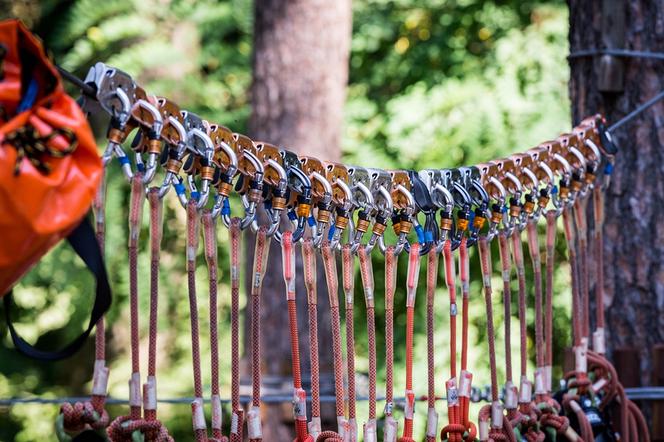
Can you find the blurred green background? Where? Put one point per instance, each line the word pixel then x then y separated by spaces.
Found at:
pixel 433 83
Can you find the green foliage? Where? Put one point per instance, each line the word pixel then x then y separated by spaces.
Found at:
pixel 433 83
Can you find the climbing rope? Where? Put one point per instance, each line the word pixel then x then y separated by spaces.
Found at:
pixel 237 418
pixel 210 240
pixel 309 269
pixel 330 265
pixel 91 415
pixel 432 279
pixel 261 253
pixel 411 291
pixel 499 428
pixel 299 395
pixel 390 424
pixel 349 289
pixel 366 272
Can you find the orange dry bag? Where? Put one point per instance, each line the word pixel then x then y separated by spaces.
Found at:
pixel 49 172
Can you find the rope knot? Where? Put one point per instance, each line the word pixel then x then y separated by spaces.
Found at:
pixel 122 429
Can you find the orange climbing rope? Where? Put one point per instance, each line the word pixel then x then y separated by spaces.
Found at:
pixel 261 253
pixel 309 270
pixel 500 428
pixel 348 288
pixel 299 395
pixel 432 277
pixel 92 414
pixel 330 265
pixel 366 272
pixel 411 292
pixel 390 424
pixel 237 416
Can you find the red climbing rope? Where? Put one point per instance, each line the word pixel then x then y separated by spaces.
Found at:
pixel 349 287
pixel 411 292
pixel 454 430
pixel 391 425
pixel 210 241
pixel 309 269
pixel 499 429
pixel 92 414
pixel 299 395
pixel 366 272
pixel 432 279
pixel 148 427
pixel 330 266
pixel 465 376
pixel 511 392
pixel 237 418
pixel 261 253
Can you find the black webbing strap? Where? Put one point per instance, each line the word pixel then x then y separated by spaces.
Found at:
pixel 82 240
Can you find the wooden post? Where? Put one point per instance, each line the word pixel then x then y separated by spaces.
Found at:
pixel 657 380
pixel 626 360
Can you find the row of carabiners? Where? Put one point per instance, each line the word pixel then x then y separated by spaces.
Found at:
pixel 201 161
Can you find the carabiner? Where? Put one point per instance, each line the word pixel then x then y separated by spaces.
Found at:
pixel 404 207
pixel 379 181
pixel 203 149
pixel 321 192
pixel 360 184
pixel 153 124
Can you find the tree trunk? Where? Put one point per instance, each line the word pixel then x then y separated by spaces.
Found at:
pixel 634 236
pixel 300 73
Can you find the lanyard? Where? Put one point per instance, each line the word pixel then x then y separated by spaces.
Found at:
pixel 309 269
pixel 299 395
pixel 238 414
pixel 135 217
pixel 511 393
pixel 198 415
pixel 261 253
pixel 432 277
pixel 330 266
pixel 348 288
pixel 500 428
pixel 366 272
pixel 208 222
pixel 411 291
pixel 391 425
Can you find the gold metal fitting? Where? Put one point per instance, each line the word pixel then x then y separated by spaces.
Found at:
pixel 324 216
pixel 543 201
pixel 207 172
pixel 446 224
pixel 462 224
pixel 576 185
pixel 529 207
pixel 496 217
pixel 154 146
pixel 116 135
pixel 173 166
pixel 224 188
pixel 278 203
pixel 564 192
pixel 303 210
pixel 362 225
pixel 515 210
pixel 405 227
pixel 590 178
pixel 478 222
pixel 378 229
pixel 341 222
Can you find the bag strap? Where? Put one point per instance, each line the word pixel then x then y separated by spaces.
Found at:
pixel 82 240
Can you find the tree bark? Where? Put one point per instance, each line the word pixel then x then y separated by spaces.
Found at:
pixel 300 73
pixel 634 233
